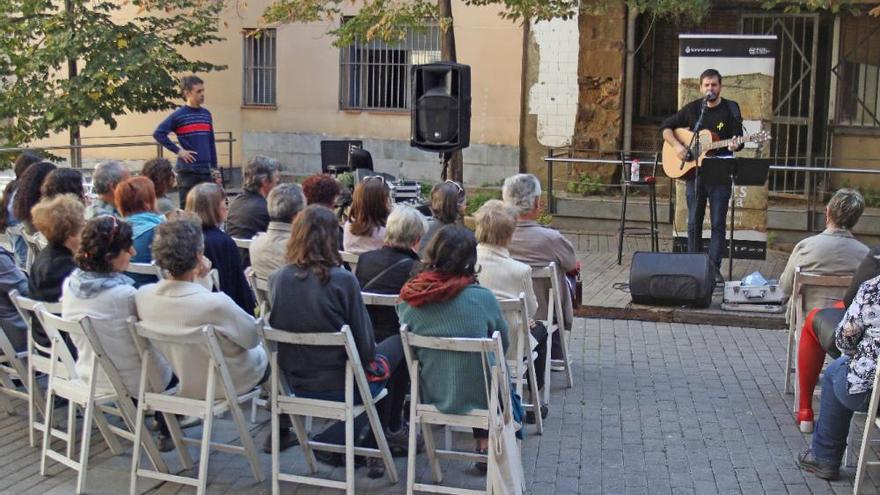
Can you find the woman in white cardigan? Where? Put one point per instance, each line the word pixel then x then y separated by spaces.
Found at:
pixel 506 277
pixel 98 289
pixel 180 306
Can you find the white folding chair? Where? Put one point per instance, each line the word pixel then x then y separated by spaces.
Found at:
pixel 13 366
pixel 298 407
pixel 351 259
pixel 84 393
pixel 519 355
pixel 144 269
pixel 872 424
pixel 425 415
pixel 37 359
pixel 803 283
pixel 206 409
pixel 260 287
pixel 242 243
pixel 549 277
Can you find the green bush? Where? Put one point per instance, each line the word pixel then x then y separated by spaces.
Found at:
pixel 586 184
pixel 475 201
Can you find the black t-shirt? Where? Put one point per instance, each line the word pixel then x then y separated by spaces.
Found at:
pixel 719 120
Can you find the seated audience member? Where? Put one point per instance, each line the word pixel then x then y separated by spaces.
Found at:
pixel 847 383
pixel 29 193
pixel 60 220
pixel 179 306
pixel 107 175
pixel 327 298
pixel 507 278
pixel 384 271
pixel 370 205
pixel 534 245
pixel 833 251
pixel 12 278
pixel 136 200
pixel 444 300
pixel 63 181
pixel 248 212
pixel 448 201
pixel 207 201
pixel 269 249
pixel 97 288
pixel 9 223
pixel 160 171
pixel 322 189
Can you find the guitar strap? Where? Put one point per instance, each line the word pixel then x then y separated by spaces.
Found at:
pixel 734 111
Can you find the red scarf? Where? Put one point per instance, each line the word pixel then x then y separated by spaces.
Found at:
pixel 431 287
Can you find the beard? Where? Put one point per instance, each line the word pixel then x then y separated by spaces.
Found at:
pixel 714 96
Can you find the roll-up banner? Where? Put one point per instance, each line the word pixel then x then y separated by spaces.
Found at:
pixel 746 64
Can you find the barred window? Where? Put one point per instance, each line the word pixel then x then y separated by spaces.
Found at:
pixel 858 71
pixel 375 75
pixel 259 67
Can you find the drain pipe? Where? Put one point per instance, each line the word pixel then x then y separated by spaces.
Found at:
pixel 632 14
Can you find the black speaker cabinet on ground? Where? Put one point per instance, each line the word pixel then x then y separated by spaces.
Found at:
pixel 441 106
pixel 672 279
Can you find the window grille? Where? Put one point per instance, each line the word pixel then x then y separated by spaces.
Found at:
pixel 858 70
pixel 375 75
pixel 259 67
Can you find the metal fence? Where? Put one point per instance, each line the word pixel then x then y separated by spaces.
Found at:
pixel 375 75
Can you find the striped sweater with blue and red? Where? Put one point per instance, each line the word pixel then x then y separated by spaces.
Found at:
pixel 194 129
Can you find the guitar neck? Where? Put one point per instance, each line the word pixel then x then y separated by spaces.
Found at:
pixel 725 142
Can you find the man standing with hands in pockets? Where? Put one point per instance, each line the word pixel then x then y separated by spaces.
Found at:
pixel 194 128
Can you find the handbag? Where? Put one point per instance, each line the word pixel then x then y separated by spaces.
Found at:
pixel 505 466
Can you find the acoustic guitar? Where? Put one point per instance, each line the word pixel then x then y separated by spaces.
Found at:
pixel 707 141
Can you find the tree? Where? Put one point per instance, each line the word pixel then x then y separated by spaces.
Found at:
pixel 389 20
pixel 66 65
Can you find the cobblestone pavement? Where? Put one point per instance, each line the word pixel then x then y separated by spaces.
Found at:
pixel 657 408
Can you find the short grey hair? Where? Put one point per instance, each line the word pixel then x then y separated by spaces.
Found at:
pixel 284 202
pixel 846 207
pixel 261 168
pixel 107 175
pixel 405 226
pixel 177 245
pixel 521 191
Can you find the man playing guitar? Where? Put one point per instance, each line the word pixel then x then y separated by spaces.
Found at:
pixel 723 118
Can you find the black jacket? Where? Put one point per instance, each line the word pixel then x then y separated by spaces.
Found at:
pixel 248 215
pixel 371 264
pixel 224 256
pixel 51 266
pixel 301 303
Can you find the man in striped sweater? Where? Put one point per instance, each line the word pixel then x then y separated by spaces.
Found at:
pixel 194 128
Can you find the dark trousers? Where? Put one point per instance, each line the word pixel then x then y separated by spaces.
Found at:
pixel 186 180
pixel 718 198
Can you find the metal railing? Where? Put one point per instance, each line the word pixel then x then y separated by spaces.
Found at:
pixel 815 176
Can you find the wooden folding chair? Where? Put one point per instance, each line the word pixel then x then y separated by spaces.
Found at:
pixel 84 393
pixel 555 323
pixel 803 283
pixel 872 424
pixel 242 243
pixel 13 366
pixel 260 287
pixel 425 415
pixel 144 269
pixel 350 259
pixel 206 409
pixel 210 282
pixel 519 356
pixel 37 359
pixel 299 407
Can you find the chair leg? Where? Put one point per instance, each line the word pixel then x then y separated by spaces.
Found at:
pixel 569 380
pixel 85 446
pixel 247 441
pixel 535 395
pixel 106 432
pixel 431 451
pixel 71 428
pixel 547 363
pixel 788 361
pixel 177 438
pixel 50 397
pixel 349 451
pixel 303 437
pixel 136 449
pixel 870 425
pixel 32 398
pixel 275 424
pixel 254 410
pixel 205 453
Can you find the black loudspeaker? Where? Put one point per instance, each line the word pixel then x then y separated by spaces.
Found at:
pixel 672 279
pixel 441 106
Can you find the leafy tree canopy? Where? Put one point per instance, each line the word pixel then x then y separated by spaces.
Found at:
pixel 124 63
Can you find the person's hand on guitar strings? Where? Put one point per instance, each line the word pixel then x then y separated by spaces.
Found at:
pixel 735 143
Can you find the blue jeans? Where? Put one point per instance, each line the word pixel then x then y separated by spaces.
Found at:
pixel 19 249
pixel 718 198
pixel 836 408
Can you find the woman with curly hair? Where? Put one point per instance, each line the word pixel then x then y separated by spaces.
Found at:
pixel 8 221
pixel 29 192
pixel 370 206
pixel 160 171
pixel 98 289
pixel 135 199
pixel 63 181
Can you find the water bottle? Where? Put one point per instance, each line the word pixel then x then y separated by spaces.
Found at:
pixel 634 170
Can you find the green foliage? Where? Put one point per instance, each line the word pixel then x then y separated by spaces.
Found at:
pixel 798 6
pixel 586 184
pixel 425 190
pixel 872 197
pixel 545 218
pixel 346 179
pixel 388 20
pixel 124 66
pixel 475 201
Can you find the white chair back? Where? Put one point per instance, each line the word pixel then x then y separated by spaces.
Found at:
pixel 351 259
pixel 548 276
pixel 519 355
pixel 242 243
pixel 144 269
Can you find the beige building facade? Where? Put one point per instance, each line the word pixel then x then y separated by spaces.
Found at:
pixel 312 91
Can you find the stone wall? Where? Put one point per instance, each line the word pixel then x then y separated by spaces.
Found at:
pixel 300 153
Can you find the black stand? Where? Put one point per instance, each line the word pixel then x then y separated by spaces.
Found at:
pixel 736 172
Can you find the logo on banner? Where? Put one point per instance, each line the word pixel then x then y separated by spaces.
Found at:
pixel 695 49
pixel 758 50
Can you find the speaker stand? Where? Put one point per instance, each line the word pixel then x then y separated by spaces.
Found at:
pixel 445 157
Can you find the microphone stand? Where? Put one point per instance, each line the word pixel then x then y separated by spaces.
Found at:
pixel 696 131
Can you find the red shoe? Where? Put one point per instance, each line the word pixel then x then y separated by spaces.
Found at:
pixel 805 420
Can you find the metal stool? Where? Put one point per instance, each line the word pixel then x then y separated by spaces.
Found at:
pixel 649 183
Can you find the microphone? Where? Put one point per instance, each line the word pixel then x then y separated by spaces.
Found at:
pixel 710 96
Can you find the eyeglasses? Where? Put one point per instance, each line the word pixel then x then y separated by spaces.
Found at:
pixel 456 184
pixel 374 177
